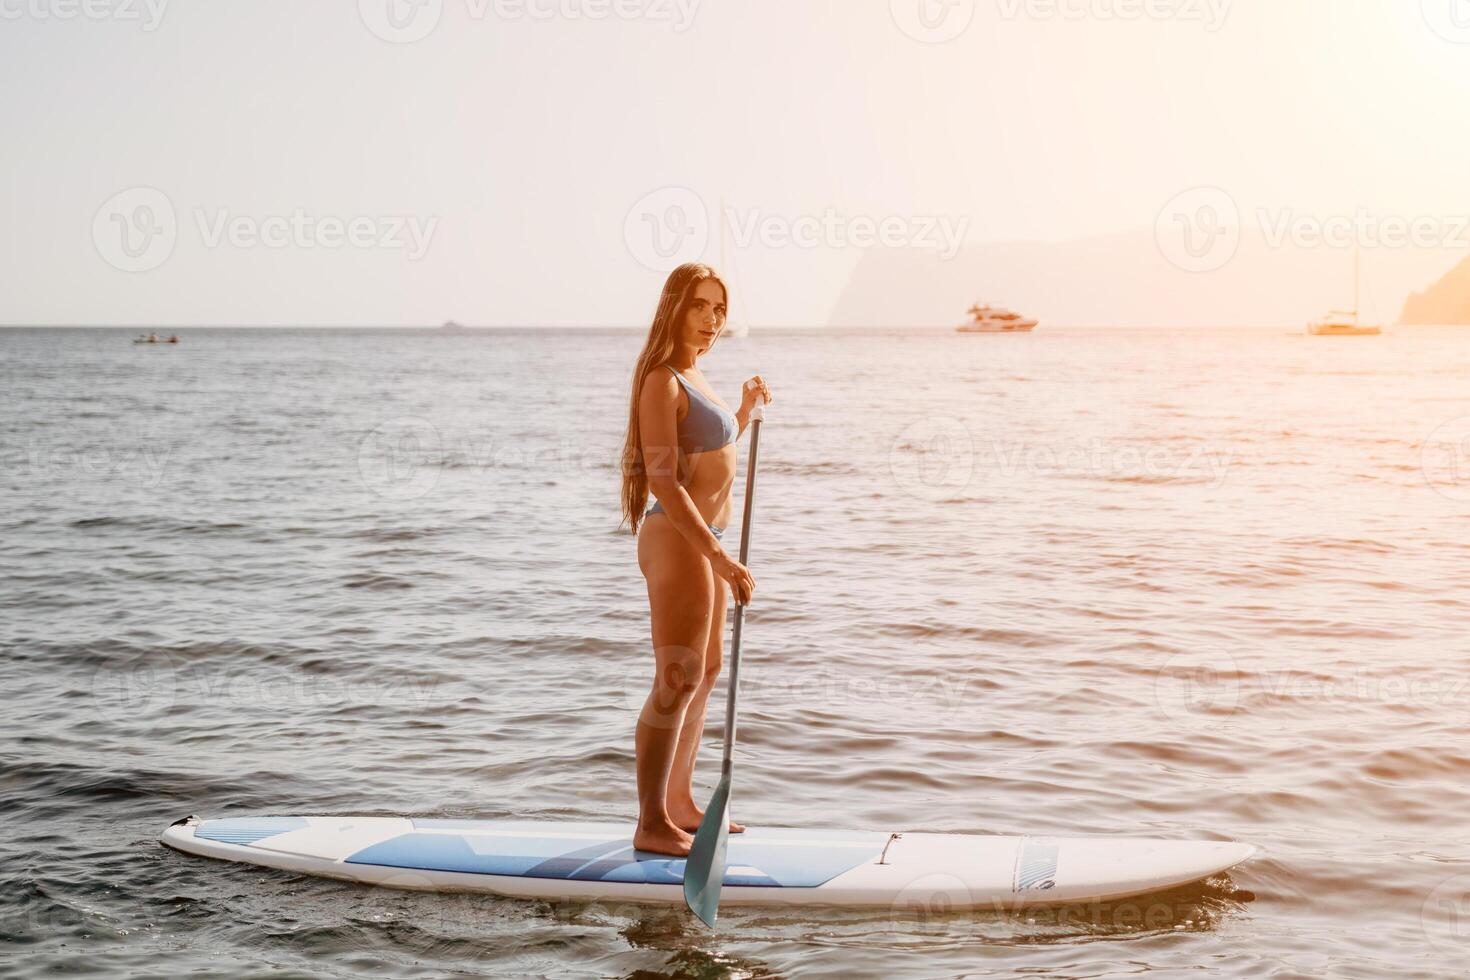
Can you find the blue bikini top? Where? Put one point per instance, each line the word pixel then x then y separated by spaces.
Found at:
pixel 707 425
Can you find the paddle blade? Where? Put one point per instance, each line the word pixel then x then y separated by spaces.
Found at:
pixel 704 871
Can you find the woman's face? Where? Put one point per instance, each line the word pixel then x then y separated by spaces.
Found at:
pixel 705 317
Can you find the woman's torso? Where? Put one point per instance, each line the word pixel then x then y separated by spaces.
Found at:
pixel 706 471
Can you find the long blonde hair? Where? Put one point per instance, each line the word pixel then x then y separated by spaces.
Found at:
pixel 658 348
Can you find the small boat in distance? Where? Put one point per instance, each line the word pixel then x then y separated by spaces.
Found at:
pixel 985 318
pixel 1344 323
pixel 153 338
pixel 449 326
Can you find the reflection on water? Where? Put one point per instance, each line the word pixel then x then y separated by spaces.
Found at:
pixel 1179 584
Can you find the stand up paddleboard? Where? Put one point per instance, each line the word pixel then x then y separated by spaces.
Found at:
pixel 764 865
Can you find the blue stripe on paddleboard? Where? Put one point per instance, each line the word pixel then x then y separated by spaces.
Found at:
pixel 246 830
pixel 750 863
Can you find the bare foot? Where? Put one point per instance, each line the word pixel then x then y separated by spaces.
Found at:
pixel 662 839
pixel 690 820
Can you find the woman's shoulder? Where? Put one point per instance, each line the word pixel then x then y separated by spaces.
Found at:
pixel 659 387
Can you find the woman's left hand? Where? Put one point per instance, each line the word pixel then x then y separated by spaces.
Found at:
pixel 754 389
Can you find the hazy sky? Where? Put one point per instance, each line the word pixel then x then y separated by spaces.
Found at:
pixel 498 169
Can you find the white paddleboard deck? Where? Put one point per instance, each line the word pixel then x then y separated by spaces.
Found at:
pixel 764 865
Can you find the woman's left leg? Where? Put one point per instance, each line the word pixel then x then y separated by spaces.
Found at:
pixel 683 811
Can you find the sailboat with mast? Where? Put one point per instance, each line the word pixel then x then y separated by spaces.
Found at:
pixel 1341 323
pixel 736 325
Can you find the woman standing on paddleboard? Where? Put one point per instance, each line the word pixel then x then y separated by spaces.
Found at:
pixel 681 447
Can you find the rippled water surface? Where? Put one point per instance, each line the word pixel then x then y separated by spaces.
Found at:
pixel 1177 584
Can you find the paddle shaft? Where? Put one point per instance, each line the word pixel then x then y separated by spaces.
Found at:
pixel 734 692
pixel 704 870
pixel 732 696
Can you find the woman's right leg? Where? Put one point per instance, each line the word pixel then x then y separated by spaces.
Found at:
pixel 681 603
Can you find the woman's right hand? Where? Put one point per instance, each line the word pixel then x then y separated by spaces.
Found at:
pixel 742 585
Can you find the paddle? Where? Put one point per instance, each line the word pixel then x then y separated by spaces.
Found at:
pixel 704 870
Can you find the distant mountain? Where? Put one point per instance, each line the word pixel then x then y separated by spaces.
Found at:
pixel 1126 280
pixel 1447 301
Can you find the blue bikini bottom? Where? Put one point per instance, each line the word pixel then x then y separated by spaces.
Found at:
pixel 658 508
